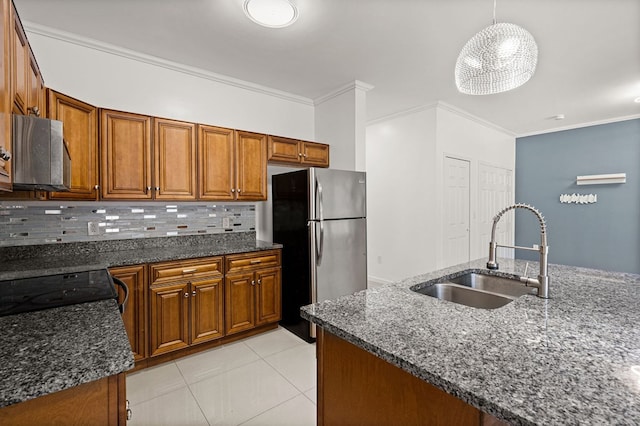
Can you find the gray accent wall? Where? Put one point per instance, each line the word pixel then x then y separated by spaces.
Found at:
pixel 604 235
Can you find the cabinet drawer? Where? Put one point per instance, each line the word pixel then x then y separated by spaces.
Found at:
pixel 172 271
pixel 253 260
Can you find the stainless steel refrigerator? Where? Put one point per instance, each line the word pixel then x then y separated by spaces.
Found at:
pixel 319 215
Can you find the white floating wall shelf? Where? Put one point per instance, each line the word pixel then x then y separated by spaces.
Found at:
pixel 602 179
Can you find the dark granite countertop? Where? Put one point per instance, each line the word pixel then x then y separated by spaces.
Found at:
pixel 55 349
pixel 571 359
pixel 65 258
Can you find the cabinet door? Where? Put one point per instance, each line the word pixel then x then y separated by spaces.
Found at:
pixel 207 305
pixel 125 155
pixel 5 96
pixel 268 303
pixel 251 166
pixel 169 318
pixel 315 154
pixel 283 150
pixel 80 127
pixel 239 306
pixel 34 86
pixel 135 312
pixel 175 160
pixel 216 170
pixel 19 60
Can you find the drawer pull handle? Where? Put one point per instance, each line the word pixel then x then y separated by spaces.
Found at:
pixel 255 261
pixel 189 271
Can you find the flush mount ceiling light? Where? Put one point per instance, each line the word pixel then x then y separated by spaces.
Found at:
pixel 271 13
pixel 501 57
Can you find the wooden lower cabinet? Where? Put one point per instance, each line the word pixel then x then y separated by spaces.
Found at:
pixel 169 320
pixel 252 290
pixel 240 302
pixel 357 387
pixel 186 303
pixel 178 304
pixel 135 313
pixel 207 317
pixel 252 299
pixel 101 402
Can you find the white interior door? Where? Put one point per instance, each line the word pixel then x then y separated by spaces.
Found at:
pixel 456 211
pixel 496 192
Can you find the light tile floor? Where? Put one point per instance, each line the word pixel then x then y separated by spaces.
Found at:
pixel 269 379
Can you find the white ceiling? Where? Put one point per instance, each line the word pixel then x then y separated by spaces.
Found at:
pixel 588 64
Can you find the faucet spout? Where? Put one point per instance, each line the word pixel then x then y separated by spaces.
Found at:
pixel 542 282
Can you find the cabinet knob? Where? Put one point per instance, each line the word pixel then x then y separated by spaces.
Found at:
pixel 96 186
pixel 148 189
pixel 186 294
pixel 157 188
pixel 238 190
pixel 34 110
pixel 253 282
pixel 305 155
pixel 299 154
pixel 193 293
pixel 259 281
pixel 233 190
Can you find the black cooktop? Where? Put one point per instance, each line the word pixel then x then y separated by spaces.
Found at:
pixel 52 291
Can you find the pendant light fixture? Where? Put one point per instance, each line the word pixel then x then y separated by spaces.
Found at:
pixel 271 13
pixel 501 57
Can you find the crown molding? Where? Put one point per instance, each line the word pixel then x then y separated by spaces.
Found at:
pixel 403 113
pixel 356 84
pixel 581 125
pixel 446 107
pixel 469 116
pixel 31 27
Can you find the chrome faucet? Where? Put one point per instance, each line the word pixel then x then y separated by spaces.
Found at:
pixel 542 282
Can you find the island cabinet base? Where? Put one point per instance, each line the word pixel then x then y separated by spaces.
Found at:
pixel 358 388
pixel 101 402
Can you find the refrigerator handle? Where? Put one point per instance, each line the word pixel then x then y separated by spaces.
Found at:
pixel 320 249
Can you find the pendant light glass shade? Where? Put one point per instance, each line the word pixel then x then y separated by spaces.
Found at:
pixel 501 57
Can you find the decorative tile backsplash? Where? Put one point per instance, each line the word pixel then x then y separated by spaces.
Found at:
pixel 27 223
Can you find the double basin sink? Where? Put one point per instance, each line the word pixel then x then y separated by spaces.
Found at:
pixel 477 290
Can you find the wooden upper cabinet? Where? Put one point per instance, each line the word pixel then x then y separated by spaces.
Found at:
pixel 284 150
pixel 251 163
pixel 35 86
pixel 175 160
pixel 125 155
pixel 80 127
pixel 5 97
pixel 314 154
pixel 19 64
pixel 295 152
pixel 216 168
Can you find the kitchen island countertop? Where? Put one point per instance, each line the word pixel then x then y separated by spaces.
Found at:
pixel 570 359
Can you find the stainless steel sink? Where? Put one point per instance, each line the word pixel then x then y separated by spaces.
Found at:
pixel 465 296
pixel 494 284
pixel 477 290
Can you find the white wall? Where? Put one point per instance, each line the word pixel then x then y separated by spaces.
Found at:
pixel 461 135
pixel 404 160
pixel 401 196
pixel 340 120
pixel 111 77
